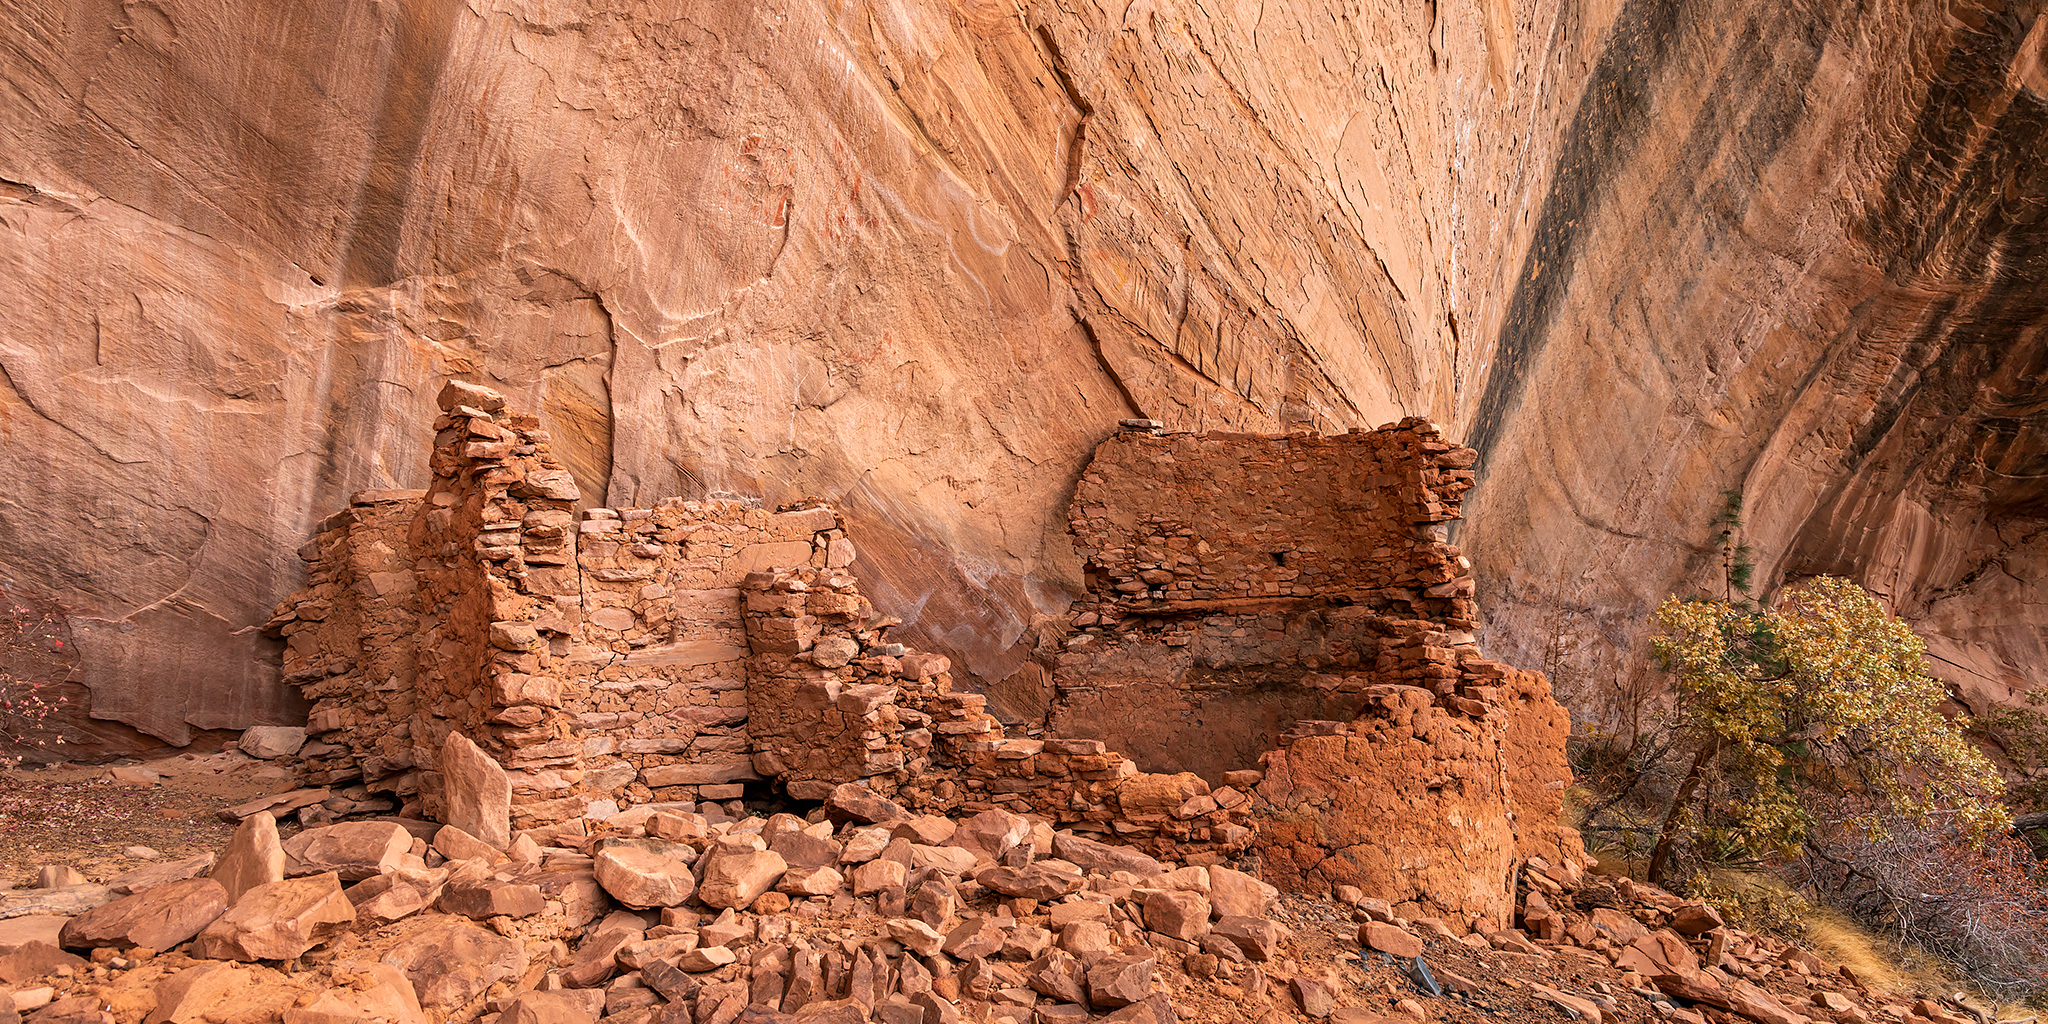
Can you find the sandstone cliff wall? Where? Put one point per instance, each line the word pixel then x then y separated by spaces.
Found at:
pixel 917 258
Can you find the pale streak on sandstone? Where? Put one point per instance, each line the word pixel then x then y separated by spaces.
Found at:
pixel 916 259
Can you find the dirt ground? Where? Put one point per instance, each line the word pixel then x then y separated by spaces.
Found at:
pixel 82 816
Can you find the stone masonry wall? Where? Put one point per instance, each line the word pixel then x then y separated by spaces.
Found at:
pixel 1240 582
pixel 673 655
pixel 1285 612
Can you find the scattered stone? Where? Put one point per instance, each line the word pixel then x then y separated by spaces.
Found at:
pixel 34 960
pixel 151 876
pixel 159 918
pixel 1256 937
pixel 736 879
pixel 642 878
pixel 253 857
pixel 1037 882
pixel 451 961
pixel 1696 919
pixel 352 850
pixel 478 792
pixel 1120 980
pixel 278 920
pixel 1388 939
pixel 269 742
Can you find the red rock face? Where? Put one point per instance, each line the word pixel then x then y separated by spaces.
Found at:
pixel 1795 255
pixel 916 259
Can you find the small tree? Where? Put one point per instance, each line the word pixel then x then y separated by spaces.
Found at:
pixel 1821 694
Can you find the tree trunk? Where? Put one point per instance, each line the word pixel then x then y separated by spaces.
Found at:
pixel 1667 837
pixel 2028 822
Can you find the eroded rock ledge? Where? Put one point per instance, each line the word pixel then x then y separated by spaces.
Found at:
pixel 1276 628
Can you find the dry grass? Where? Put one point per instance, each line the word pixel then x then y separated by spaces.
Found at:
pixel 1889 968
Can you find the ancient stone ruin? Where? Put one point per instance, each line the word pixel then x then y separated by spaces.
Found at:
pixel 1274 656
pixel 1291 604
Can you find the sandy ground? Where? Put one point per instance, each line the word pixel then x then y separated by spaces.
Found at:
pixel 82 816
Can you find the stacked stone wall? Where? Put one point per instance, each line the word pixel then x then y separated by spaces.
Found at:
pixel 1240 582
pixel 1276 627
pixel 673 655
pixel 1288 610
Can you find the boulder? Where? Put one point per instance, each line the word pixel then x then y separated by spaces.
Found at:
pixel 1695 919
pixel 916 936
pixel 991 834
pixel 978 937
pixel 1236 894
pixel 160 918
pixel 450 961
pixel 16 932
pixel 879 876
pixel 1120 980
pixel 1037 882
pixel 33 960
pixel 396 894
pixel 477 791
pixel 642 878
pixel 1620 927
pixel 254 856
pixel 379 993
pixel 1256 937
pixel 803 850
pixel 1388 939
pixel 1317 997
pixel 854 801
pixel 1087 940
pixel 1147 795
pixel 706 958
pixel 1153 1009
pixel 1181 915
pixel 821 881
pixel 735 879
pixel 1099 856
pixel 58 876
pixel 455 844
pixel 278 920
pixel 152 875
pixel 69 901
pixel 352 850
pixel 491 897
pixel 1058 975
pixel 570 1006
pixel 270 742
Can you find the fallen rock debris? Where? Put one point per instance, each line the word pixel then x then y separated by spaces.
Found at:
pixel 912 918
